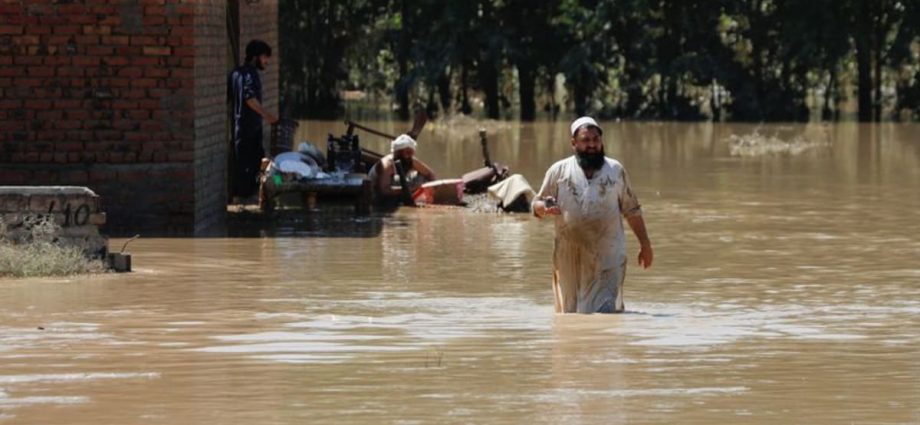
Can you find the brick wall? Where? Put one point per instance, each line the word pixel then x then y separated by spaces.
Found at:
pixel 211 134
pixel 125 97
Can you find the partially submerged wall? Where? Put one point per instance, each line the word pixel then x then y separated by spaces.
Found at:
pixel 75 210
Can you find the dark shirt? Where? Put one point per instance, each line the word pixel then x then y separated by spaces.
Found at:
pixel 244 84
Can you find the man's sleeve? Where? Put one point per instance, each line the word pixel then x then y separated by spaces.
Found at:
pixel 629 203
pixel 249 89
pixel 549 187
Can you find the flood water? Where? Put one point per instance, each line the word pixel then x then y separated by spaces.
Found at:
pixel 785 289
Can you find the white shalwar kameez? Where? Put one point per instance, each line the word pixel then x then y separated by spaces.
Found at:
pixel 589 255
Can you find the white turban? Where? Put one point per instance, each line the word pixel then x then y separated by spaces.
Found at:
pixel 402 142
pixel 583 121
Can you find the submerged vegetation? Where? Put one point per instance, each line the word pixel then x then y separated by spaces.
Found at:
pixel 37 253
pixel 749 60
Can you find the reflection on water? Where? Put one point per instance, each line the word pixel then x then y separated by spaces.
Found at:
pixel 786 289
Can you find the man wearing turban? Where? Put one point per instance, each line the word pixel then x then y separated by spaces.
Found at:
pixel 385 174
pixel 589 195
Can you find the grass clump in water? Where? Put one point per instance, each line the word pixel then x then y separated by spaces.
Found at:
pixel 36 251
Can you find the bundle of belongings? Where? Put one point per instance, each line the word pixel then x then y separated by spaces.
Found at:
pixel 511 194
pixel 306 163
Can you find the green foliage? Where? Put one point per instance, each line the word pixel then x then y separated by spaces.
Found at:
pixel 753 60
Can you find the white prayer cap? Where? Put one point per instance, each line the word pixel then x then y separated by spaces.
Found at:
pixel 402 142
pixel 584 121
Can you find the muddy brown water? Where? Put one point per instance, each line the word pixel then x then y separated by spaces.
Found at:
pixel 785 289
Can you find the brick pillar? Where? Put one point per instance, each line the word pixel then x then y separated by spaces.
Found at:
pixel 211 138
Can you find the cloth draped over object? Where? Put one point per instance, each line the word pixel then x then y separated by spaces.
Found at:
pixel 509 190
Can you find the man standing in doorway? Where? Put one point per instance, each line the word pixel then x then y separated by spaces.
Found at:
pixel 587 193
pixel 245 96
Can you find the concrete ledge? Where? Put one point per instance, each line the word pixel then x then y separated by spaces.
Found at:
pixel 75 209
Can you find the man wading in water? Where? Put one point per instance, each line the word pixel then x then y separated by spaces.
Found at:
pixel 587 193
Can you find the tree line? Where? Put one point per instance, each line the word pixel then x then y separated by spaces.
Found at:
pixel 743 60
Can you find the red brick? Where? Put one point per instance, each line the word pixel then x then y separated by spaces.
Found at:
pixel 67 103
pixel 181 73
pixel 137 114
pixel 127 51
pixel 145 60
pixel 134 94
pixel 71 71
pixel 154 21
pixel 144 82
pixel 183 9
pixel 181 156
pixel 120 82
pixel 58 39
pixel 124 104
pixel 57 61
pixel 156 72
pixel 116 39
pixel 154 10
pixel 77 114
pixel 115 61
pixel 111 19
pixel 71 9
pixel 184 51
pixel 29 82
pixel 108 135
pixel 10 9
pixel 81 19
pixel 143 40
pixel 27 60
pixel 38 29
pixel 157 50
pixel 10 103
pixel 137 137
pixel 66 29
pixel 151 126
pixel 96 29
pixel 82 135
pixel 52 20
pixel 86 61
pixel 75 176
pixel 149 104
pixel 86 40
pixel 67 124
pixel 128 125
pixel 41 71
pixel 10 29
pixel 100 50
pixel 131 72
pixel 37 104
pixel 26 39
